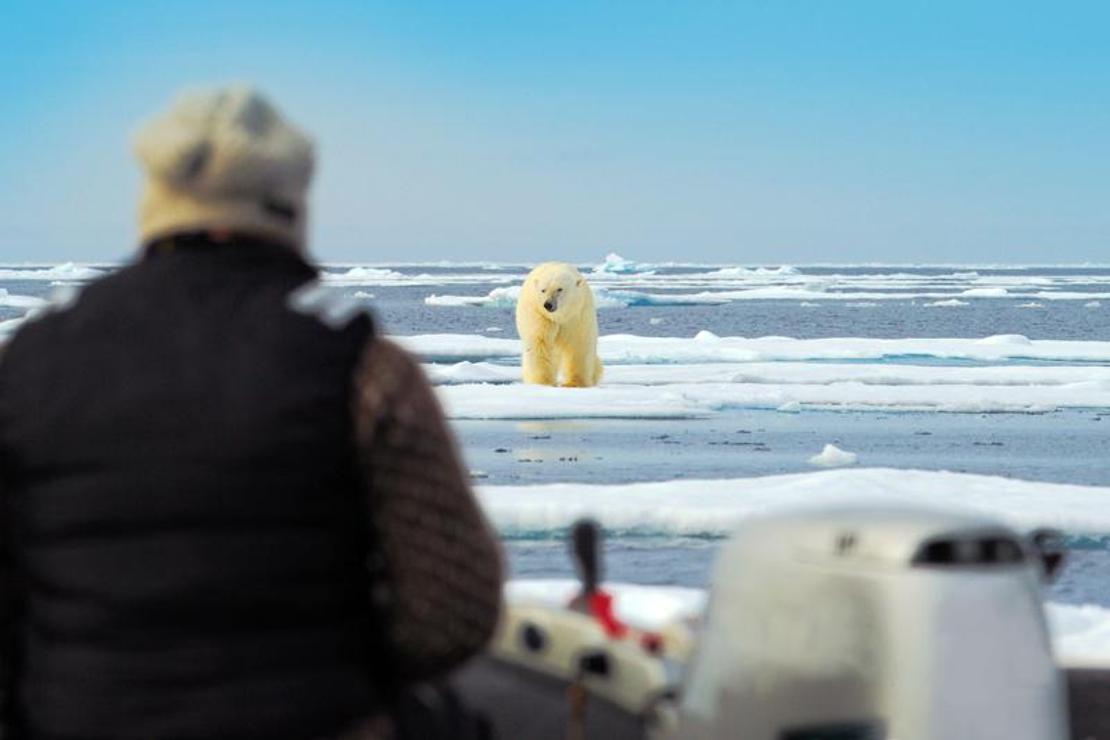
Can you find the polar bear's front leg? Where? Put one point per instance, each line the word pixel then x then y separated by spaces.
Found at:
pixel 537 364
pixel 580 368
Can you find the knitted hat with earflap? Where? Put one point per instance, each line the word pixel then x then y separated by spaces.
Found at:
pixel 224 160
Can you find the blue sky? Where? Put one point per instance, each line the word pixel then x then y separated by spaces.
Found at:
pixel 753 132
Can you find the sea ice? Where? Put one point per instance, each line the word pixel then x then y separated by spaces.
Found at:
pixel 691 400
pixel 68 271
pixel 362 274
pixel 802 373
pixel 833 457
pixel 19 301
pixel 715 507
pixel 616 265
pixel 707 347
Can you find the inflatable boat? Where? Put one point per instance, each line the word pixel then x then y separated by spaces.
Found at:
pixel 833 624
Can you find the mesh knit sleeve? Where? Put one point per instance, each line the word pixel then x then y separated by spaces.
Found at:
pixel 442 562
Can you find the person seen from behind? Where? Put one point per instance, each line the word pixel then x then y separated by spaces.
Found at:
pixel 230 508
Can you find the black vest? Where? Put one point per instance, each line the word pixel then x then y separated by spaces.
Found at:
pixel 183 507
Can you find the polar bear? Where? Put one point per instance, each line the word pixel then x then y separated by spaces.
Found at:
pixel 557 323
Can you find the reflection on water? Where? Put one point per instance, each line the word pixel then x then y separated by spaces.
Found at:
pixel 551 426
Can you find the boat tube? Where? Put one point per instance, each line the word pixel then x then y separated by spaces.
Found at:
pixel 856 623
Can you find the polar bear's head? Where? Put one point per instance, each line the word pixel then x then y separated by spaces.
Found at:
pixel 557 289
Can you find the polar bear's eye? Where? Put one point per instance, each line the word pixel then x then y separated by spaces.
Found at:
pixel 560 290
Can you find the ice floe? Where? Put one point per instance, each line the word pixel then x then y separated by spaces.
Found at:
pixel 363 275
pixel 660 377
pixel 67 271
pixel 714 508
pixel 19 301
pixel 706 347
pixel 799 373
pixel 693 400
pixel 507 297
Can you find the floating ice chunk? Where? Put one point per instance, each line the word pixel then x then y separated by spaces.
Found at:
pixel 862 304
pixel 743 272
pixel 493 329
pixel 986 293
pixel 833 457
pixel 683 400
pixel 1031 304
pixel 471 372
pixel 1007 339
pixel 68 272
pixel 603 298
pixel 790 407
pixel 19 301
pixel 608 298
pixel 614 264
pixel 363 294
pixel 1092 304
pixel 362 274
pixel 496 298
pixel 715 507
pixel 655 321
pixel 707 347
pixel 949 302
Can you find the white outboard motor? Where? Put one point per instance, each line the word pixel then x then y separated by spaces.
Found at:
pixel 873 624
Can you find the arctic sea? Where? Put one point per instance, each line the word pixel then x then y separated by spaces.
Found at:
pixel 724 383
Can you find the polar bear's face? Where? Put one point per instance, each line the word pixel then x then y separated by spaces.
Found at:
pixel 559 291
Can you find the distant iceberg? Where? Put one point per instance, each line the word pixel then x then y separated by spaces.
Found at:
pixel 614 264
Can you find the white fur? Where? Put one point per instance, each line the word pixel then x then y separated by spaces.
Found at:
pixel 559 345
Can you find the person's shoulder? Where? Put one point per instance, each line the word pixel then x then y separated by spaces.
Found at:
pixel 328 306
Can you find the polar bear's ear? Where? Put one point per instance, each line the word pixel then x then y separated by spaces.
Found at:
pixel 578 281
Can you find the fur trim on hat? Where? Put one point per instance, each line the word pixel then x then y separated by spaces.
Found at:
pixel 224 160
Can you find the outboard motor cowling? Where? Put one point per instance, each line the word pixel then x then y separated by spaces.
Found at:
pixel 871 624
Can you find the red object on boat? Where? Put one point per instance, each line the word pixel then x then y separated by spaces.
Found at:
pixel 600 605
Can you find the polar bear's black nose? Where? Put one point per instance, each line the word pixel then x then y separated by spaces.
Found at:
pixel 549 305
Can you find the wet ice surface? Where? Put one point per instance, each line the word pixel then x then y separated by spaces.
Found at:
pixel 1064 447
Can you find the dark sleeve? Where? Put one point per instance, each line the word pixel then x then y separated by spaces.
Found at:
pixel 7 619
pixel 442 561
pixel 8 596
